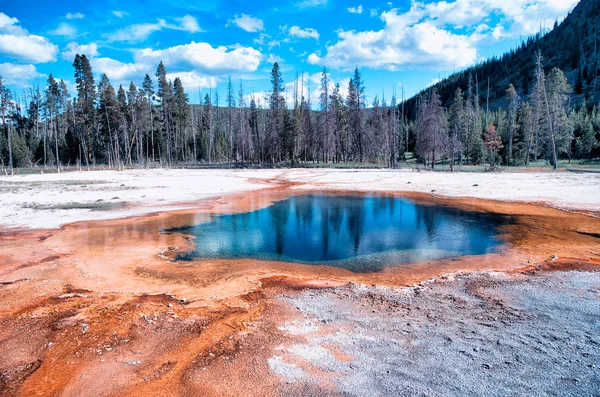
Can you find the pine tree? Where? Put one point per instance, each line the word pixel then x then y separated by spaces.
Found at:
pixel 165 96
pixel 133 111
pixel 526 125
pixel 255 129
pixel 181 114
pixel 51 103
pixel 560 133
pixel 456 121
pixel 587 141
pixel 356 97
pixel 85 108
pixel 148 89
pixel 109 120
pixel 277 108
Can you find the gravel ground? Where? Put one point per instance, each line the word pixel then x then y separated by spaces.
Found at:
pixel 485 334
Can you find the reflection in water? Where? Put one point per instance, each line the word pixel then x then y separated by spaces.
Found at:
pixel 357 233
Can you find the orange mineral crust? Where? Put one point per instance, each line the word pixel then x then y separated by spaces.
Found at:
pixel 101 308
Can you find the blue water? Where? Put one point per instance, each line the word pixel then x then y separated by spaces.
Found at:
pixel 362 234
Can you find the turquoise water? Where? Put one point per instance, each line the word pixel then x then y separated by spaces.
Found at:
pixel 362 234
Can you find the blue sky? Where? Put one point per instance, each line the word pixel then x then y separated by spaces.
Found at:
pixel 395 44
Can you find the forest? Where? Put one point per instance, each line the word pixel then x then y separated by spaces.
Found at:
pixel 155 125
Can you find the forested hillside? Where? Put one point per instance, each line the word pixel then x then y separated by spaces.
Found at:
pixel 536 102
pixel 571 46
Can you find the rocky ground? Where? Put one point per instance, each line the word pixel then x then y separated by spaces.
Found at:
pixel 482 334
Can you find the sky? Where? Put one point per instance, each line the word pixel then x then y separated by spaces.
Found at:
pixel 399 46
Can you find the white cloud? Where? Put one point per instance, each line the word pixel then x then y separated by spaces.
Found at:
pixel 30 48
pixel 248 23
pixel 261 39
pixel 434 81
pixel 524 17
pixel 117 70
pixel 189 24
pixel 261 98
pixel 459 12
pixel 274 58
pixel 64 29
pixel 203 57
pixel 16 74
pixel 10 25
pixel 192 81
pixel 17 43
pixel 440 34
pixel 355 10
pixel 141 31
pixel 403 43
pixel 312 3
pixel 296 31
pixel 136 32
pixel 121 73
pixel 72 49
pixel 420 37
pixel 120 14
pixel 516 17
pixel 373 12
pixel 76 15
pixel 192 62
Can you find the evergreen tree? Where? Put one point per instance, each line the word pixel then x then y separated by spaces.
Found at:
pixel 559 133
pixel 456 124
pixel 181 115
pixel 277 108
pixel 51 104
pixel 165 96
pixel 85 108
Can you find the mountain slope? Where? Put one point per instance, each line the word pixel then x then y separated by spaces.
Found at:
pixel 573 46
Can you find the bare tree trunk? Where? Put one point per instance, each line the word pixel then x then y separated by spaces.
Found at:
pixel 595 57
pixel 194 133
pixel 45 155
pixel 551 126
pixel 56 147
pixel 10 156
pixel 152 131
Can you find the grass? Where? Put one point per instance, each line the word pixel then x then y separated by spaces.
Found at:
pixel 441 166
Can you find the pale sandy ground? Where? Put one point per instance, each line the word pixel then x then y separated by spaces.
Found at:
pixel 52 200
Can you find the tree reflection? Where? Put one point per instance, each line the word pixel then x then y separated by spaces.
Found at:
pixel 335 230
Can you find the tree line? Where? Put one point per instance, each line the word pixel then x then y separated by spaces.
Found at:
pixel 155 124
pixel 545 126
